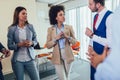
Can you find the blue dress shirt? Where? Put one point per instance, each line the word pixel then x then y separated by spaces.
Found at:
pixel 62 40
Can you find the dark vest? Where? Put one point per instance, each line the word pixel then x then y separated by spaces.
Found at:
pixel 100 31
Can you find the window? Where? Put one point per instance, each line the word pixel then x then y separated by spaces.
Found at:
pixel 71 19
pixel 85 21
pixel 108 4
pixel 115 3
pixel 80 18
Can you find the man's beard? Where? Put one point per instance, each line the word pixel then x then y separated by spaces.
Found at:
pixel 95 9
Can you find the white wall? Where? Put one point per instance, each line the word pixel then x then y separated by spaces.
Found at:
pixel 6 15
pixel 43 22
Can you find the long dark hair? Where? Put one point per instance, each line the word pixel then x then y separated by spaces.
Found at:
pixel 16 14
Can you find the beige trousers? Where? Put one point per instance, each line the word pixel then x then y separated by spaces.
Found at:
pixel 60 70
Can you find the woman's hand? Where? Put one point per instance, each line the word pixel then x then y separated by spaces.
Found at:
pixel 21 44
pixel 60 35
pixel 28 43
pixel 25 43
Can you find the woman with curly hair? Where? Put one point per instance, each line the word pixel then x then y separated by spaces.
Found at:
pixel 60 37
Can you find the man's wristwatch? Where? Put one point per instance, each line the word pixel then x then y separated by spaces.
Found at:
pixel 91 36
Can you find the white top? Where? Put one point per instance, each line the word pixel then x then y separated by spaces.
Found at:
pixel 98 39
pixel 23 51
pixel 110 68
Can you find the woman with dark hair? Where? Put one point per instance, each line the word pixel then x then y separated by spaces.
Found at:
pixel 60 37
pixel 22 39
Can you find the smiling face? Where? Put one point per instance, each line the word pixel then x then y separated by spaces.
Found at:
pixel 60 17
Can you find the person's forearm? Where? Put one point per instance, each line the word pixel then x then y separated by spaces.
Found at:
pixel 101 40
pixel 1 47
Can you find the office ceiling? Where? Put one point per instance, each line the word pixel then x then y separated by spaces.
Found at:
pixel 53 1
pixel 49 1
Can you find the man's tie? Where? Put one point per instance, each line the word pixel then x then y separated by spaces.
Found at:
pixel 95 20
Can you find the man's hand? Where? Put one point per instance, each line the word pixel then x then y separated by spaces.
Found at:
pixel 95 58
pixel 0 58
pixel 88 32
pixel 6 52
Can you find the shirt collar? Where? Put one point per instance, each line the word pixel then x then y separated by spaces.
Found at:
pixel 62 25
pixel 20 28
pixel 103 11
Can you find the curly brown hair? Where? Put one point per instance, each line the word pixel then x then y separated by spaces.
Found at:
pixel 53 13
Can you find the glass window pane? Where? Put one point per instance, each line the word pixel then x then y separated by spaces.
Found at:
pixel 85 21
pixel 72 19
pixel 80 18
pixel 108 4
